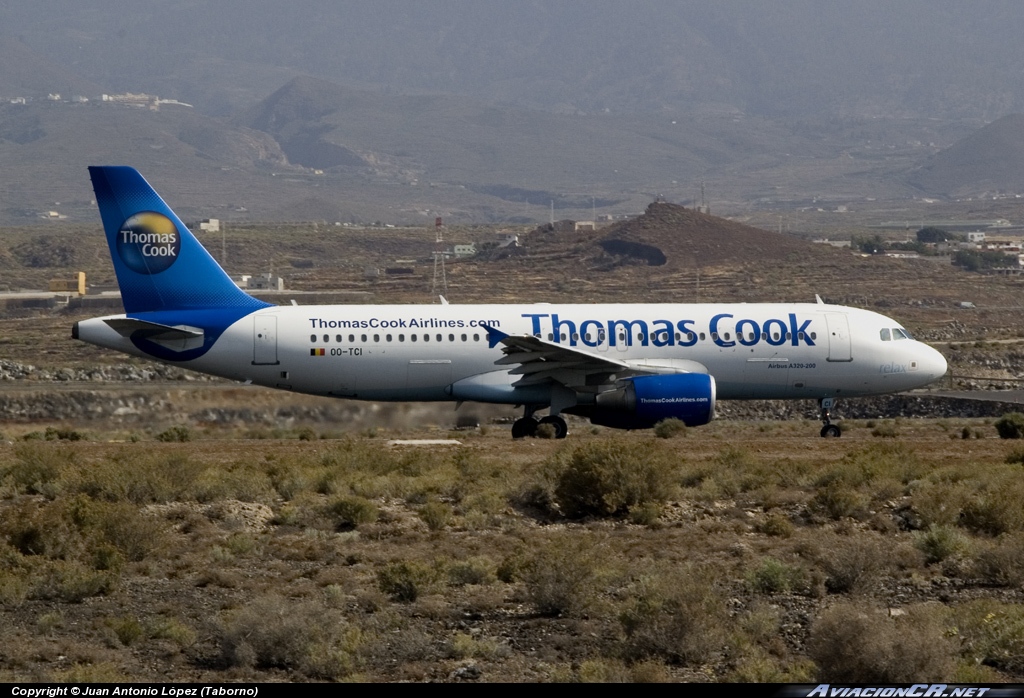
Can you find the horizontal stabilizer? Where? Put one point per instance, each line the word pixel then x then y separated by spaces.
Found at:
pixel 127 326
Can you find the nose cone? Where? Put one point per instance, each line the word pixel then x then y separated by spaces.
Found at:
pixel 933 365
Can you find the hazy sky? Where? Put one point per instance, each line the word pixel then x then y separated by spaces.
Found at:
pixel 796 58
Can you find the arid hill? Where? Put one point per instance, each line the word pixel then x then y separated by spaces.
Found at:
pixel 675 237
pixel 989 160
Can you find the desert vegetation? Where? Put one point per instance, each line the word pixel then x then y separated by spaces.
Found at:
pixel 741 551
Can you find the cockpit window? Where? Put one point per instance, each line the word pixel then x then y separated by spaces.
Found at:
pixel 898 333
pixel 885 334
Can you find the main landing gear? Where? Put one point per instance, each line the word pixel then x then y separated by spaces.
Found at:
pixel 528 424
pixel 829 430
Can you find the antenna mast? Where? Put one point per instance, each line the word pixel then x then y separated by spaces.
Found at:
pixel 441 288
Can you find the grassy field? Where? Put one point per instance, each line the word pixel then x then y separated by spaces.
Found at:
pixel 743 551
pixel 158 527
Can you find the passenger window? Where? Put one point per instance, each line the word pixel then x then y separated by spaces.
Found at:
pixel 438 338
pixel 789 335
pixel 327 338
pixel 814 335
pixel 451 338
pixel 575 337
pixel 426 337
pixel 476 338
pixel 401 338
pixel 376 338
pixel 727 335
pixel 775 337
pixel 550 336
pixel 463 338
pixel 351 339
pixel 561 337
pixel 337 339
pixel 885 334
pixel 600 336
pixel 364 338
pixel 702 336
pixel 312 338
pixel 412 338
pixel 388 338
pixel 690 336
pixel 714 336
pixel 764 336
pixel 800 335
pixel 586 337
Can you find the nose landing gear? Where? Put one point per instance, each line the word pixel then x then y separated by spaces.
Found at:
pixel 829 430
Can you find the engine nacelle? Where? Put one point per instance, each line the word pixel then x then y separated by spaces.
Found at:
pixel 644 401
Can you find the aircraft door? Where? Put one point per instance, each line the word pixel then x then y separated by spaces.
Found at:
pixel 264 340
pixel 838 337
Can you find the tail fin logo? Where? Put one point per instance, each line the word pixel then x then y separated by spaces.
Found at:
pixel 148 242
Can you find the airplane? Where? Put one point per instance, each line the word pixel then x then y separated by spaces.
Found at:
pixel 627 366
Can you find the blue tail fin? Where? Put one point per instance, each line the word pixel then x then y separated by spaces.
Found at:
pixel 160 265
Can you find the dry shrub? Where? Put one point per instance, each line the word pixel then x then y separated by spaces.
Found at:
pixel 773 576
pixel 176 434
pixel 996 509
pixel 302 636
pixel 852 644
pixel 852 563
pixel 758 666
pixel 101 672
pixel 405 581
pixel 675 615
pixel 1010 426
pixel 670 428
pixel 937 503
pixel 37 467
pixel 69 581
pixel 992 633
pixel 79 528
pixel 437 515
pixel 775 525
pixel 129 476
pixel 561 576
pixel 940 542
pixel 838 501
pixel 476 570
pixel 350 511
pixel 1002 562
pixel 607 478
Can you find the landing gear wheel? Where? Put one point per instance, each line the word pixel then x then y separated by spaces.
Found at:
pixel 831 431
pixel 561 428
pixel 526 426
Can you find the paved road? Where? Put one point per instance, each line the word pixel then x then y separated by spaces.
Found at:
pixel 983 395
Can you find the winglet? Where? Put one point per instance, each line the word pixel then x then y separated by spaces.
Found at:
pixel 494 336
pixel 818 298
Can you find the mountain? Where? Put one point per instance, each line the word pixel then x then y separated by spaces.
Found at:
pixel 800 59
pixel 988 161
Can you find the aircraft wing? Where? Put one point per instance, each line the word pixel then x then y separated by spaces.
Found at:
pixel 539 360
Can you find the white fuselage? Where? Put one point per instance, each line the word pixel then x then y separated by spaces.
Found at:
pixel 441 352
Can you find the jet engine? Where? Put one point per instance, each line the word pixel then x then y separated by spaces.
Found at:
pixel 642 402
